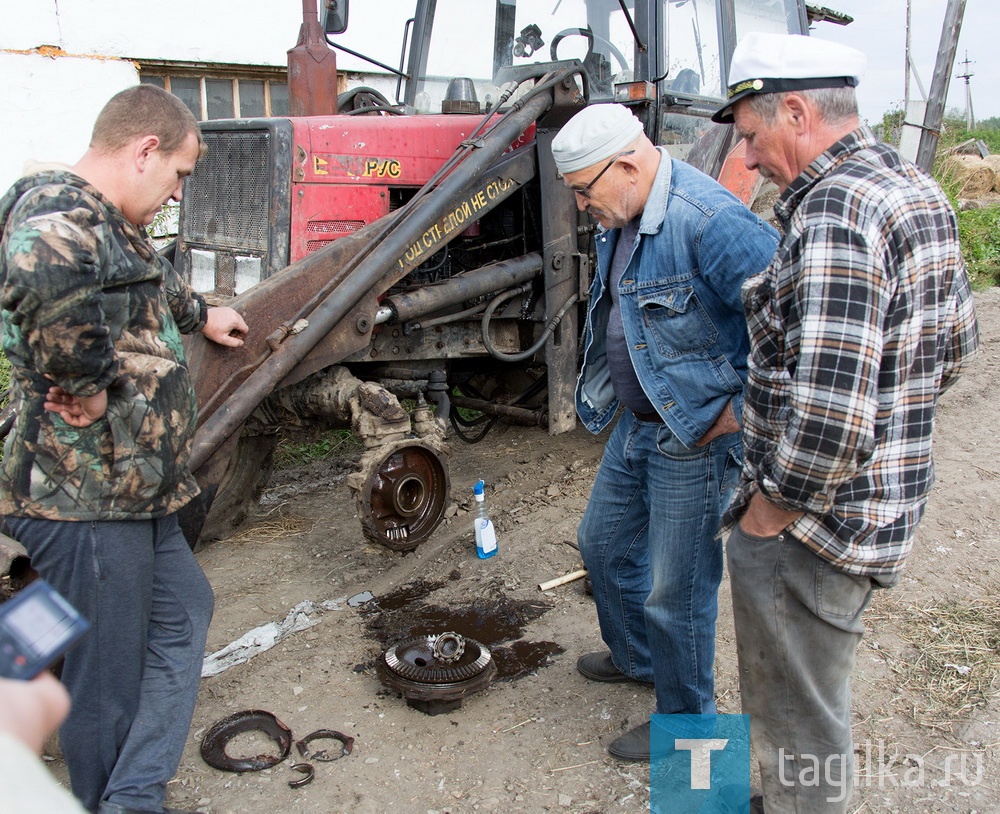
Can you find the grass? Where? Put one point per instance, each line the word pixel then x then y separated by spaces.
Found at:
pixel 329 444
pixel 979 229
pixel 956 666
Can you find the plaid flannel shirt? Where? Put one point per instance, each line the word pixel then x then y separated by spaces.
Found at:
pixel 863 318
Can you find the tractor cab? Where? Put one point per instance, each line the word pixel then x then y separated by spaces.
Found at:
pixel 666 60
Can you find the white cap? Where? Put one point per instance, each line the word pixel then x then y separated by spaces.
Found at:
pixel 595 133
pixel 776 63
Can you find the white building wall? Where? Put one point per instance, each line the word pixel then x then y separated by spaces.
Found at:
pixel 253 32
pixel 48 106
pixel 60 60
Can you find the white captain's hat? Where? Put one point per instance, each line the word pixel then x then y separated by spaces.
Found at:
pixel 777 63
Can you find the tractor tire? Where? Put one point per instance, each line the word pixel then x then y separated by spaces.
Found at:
pixel 248 472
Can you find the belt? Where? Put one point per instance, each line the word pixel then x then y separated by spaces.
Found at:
pixel 649 418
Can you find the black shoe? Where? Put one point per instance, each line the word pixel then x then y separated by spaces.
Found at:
pixel 756 802
pixel 599 667
pixel 634 745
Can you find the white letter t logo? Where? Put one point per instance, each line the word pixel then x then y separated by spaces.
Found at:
pixel 701 758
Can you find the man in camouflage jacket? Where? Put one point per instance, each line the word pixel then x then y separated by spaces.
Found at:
pixel 95 467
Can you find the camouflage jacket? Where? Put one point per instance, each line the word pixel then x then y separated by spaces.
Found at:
pixel 87 304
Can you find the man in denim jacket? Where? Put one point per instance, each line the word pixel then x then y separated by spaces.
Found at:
pixel 666 339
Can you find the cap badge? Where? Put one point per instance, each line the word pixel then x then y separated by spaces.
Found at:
pixel 749 84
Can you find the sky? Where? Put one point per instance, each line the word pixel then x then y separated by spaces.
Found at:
pixel 879 29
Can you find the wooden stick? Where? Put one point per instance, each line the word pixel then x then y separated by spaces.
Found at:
pixel 555 583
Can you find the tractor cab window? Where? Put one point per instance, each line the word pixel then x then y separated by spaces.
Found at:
pixel 690 52
pixel 476 40
pixel 771 16
pixel 691 44
pixel 692 34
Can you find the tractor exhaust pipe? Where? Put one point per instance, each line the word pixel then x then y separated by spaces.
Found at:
pixel 312 69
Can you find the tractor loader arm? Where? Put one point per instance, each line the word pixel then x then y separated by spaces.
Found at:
pixel 321 309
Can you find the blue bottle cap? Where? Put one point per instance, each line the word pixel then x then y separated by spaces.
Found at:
pixel 478 488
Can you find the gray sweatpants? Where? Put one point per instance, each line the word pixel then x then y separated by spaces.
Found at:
pixel 134 677
pixel 798 624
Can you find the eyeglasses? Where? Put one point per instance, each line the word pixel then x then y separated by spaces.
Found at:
pixel 585 191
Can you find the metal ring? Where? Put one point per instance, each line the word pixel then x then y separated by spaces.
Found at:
pixel 308 772
pixel 449 647
pixel 213 745
pixel 322 755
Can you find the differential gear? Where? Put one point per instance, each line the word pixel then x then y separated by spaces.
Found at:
pixel 415 668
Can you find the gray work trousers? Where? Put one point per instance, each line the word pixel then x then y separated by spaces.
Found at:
pixel 798 624
pixel 133 679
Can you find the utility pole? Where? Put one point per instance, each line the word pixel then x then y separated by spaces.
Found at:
pixel 970 118
pixel 906 72
pixel 934 114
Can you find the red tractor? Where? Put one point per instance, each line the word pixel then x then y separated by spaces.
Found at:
pixel 417 243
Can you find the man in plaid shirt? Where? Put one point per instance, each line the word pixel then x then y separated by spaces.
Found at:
pixel 862 320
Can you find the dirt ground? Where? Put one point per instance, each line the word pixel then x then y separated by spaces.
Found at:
pixel 926 707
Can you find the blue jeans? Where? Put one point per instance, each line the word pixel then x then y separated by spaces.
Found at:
pixel 798 625
pixel 650 540
pixel 134 677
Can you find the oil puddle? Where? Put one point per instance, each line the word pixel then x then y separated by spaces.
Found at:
pixel 409 593
pixel 520 658
pixel 495 621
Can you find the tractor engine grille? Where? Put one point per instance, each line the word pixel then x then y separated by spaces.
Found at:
pixel 227 200
pixel 234 214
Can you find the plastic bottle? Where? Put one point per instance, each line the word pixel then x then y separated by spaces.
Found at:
pixel 486 536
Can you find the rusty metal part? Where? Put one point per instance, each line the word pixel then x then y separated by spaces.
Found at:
pixel 414 659
pixel 449 647
pixel 467 286
pixel 346 745
pixel 429 684
pixel 213 745
pixel 402 485
pixel 338 396
pixel 312 69
pixel 363 275
pixel 14 558
pixel 305 769
pixel 520 415
pixel 402 491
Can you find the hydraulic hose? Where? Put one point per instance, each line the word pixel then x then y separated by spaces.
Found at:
pixel 550 326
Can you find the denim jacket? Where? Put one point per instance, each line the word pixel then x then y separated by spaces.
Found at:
pixel 680 301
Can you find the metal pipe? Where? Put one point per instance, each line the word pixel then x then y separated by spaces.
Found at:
pixel 312 69
pixel 338 303
pixel 468 286
pixel 520 414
